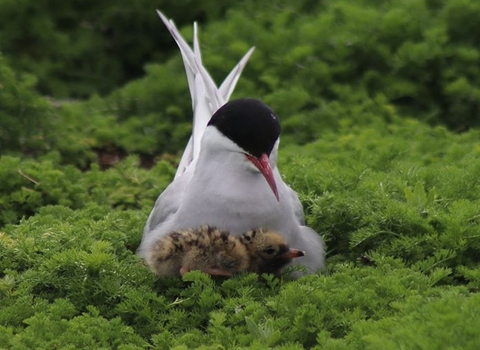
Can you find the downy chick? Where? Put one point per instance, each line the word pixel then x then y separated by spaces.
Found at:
pixel 205 248
pixel 268 251
pixel 220 253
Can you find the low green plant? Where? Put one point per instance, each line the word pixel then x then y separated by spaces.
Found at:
pixel 357 86
pixel 79 48
pixel 27 185
pixel 25 116
pixel 400 223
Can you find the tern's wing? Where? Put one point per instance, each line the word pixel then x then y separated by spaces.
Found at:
pixel 296 205
pixel 167 203
pixel 305 238
pixel 206 97
pixel 313 245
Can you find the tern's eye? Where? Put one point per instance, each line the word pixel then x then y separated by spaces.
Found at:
pixel 269 251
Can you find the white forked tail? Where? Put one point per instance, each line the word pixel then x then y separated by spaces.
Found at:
pixel 206 97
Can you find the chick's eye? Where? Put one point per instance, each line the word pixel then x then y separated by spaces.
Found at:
pixel 269 251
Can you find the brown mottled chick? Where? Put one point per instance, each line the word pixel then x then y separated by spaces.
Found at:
pixel 205 248
pixel 219 253
pixel 268 251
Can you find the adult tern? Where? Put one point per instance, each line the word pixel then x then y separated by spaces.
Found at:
pixel 228 176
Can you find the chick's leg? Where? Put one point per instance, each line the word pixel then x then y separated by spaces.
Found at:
pixel 213 271
pixel 184 270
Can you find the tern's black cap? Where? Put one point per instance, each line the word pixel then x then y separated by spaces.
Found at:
pixel 251 124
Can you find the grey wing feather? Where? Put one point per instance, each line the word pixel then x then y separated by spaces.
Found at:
pixel 296 205
pixel 167 203
pixel 312 243
pixel 206 99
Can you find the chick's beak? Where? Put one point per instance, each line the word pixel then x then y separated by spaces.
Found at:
pixel 294 253
pixel 263 165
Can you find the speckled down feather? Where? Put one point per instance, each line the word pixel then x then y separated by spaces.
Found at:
pixel 217 252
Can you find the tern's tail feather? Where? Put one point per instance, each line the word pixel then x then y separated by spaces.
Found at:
pixel 206 97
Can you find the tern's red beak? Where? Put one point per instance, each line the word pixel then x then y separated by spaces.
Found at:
pixel 263 165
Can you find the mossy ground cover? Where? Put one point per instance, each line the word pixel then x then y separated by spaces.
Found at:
pixel 371 95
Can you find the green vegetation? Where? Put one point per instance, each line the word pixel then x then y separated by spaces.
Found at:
pixel 379 108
